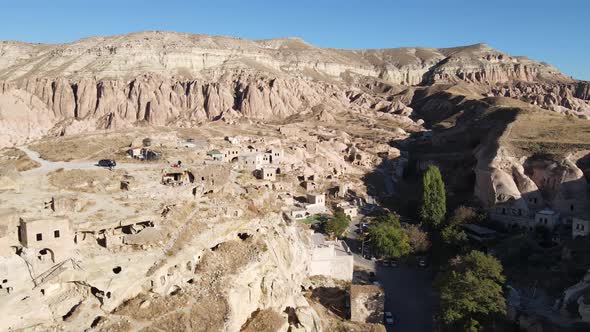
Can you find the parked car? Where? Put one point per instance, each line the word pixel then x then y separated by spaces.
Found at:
pixel 389 318
pixel 393 263
pixel 107 163
pixel 422 262
pixel 385 263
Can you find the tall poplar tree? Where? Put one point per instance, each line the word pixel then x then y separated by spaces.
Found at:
pixel 433 204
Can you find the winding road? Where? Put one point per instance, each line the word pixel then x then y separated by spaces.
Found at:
pixel 47 166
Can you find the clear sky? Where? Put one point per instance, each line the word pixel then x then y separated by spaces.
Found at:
pixel 556 31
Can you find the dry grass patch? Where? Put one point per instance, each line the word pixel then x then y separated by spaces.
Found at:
pixel 90 181
pixel 547 133
pixel 93 146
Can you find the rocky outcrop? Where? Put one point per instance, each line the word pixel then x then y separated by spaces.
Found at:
pixel 571 98
pixel 23 117
pixel 87 104
pixel 192 56
pixel 531 183
pixel 166 78
pixel 482 64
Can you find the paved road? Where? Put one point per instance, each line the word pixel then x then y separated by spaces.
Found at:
pixel 408 290
pixel 409 296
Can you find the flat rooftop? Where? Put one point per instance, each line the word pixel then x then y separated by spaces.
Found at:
pixel 479 229
pixel 547 212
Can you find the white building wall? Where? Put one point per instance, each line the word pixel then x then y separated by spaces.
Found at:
pixel 326 262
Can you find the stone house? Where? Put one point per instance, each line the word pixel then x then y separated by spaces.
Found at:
pixel 319 199
pixel 351 211
pixel 231 154
pixel 177 177
pixel 580 227
pixel 268 173
pixel 276 155
pixel 253 161
pixel 51 239
pixel 251 149
pixel 547 218
pixel 331 258
pixel 215 155
pixel 134 152
pixel 316 203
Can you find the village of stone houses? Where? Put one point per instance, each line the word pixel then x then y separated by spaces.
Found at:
pixel 161 181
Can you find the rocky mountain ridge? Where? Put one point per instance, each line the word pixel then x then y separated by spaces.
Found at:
pixel 166 78
pixel 193 56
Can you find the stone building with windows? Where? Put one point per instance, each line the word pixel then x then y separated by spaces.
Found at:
pixel 51 239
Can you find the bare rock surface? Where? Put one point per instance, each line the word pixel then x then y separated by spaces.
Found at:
pixel 165 78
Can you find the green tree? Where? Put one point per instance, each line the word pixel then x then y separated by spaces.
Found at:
pixel 433 203
pixel 471 291
pixel 388 239
pixel 453 234
pixel 336 225
pixel 388 218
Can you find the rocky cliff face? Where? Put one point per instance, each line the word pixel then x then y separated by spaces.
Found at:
pixel 195 56
pixel 166 78
pixel 573 98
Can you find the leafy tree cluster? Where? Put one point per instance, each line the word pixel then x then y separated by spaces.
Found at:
pixel 471 292
pixel 388 238
pixel 452 234
pixel 337 225
pixel 470 287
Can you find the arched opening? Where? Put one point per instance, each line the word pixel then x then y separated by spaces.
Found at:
pixel 117 270
pixel 46 256
pixel 234 160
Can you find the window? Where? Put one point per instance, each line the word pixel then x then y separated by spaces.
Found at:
pixel 56 234
pixel 39 236
pixel 572 207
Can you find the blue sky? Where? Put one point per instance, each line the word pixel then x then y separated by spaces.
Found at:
pixel 554 31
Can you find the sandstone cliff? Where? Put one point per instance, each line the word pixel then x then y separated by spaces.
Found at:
pixel 165 78
pixel 193 56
